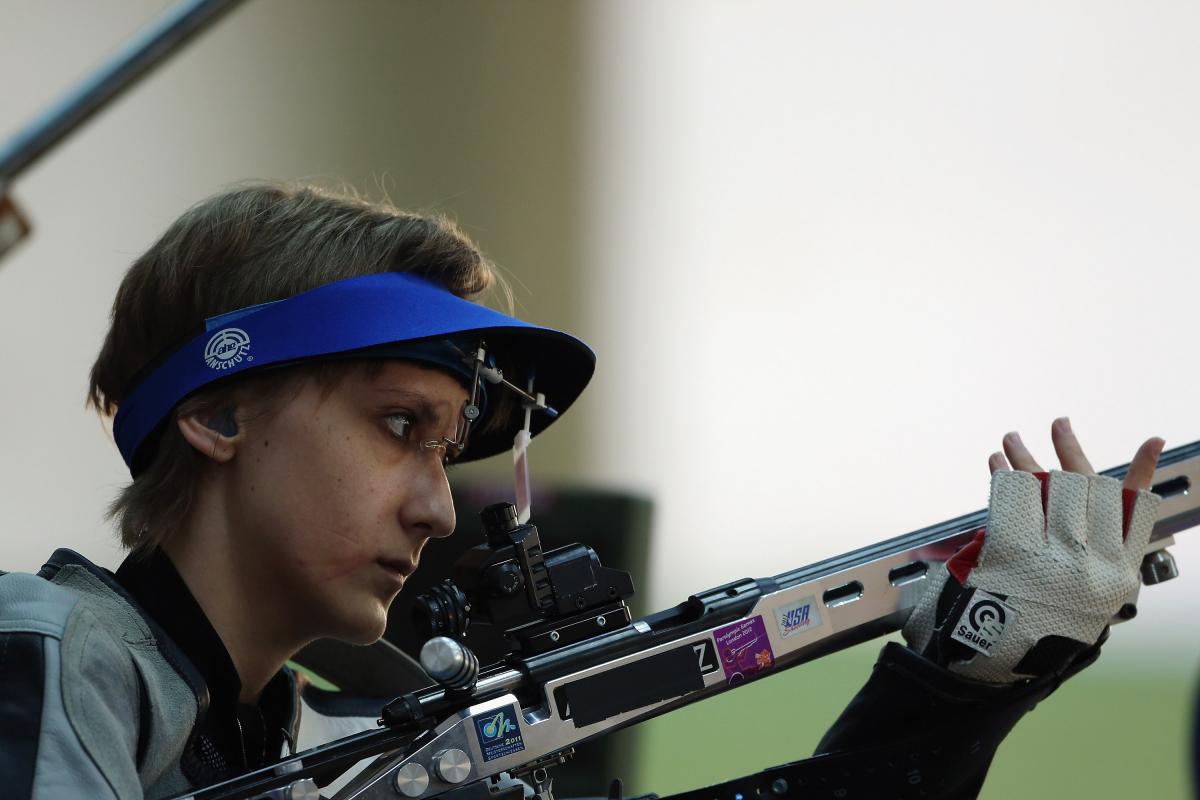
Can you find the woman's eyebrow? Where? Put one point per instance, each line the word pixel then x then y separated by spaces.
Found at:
pixel 418 403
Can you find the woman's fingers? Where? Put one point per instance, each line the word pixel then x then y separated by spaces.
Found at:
pixel 1141 469
pixel 1072 458
pixel 1018 455
pixel 1070 454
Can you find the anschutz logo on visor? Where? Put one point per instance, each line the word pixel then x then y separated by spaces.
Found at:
pixel 227 348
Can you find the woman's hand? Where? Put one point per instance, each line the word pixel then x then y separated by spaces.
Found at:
pixel 1032 595
pixel 1071 457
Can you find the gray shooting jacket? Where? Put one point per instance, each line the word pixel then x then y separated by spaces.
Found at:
pixel 116 686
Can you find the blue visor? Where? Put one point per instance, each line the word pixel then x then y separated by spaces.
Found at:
pixel 339 319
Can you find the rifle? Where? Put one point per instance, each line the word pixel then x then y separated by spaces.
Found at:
pixel 582 668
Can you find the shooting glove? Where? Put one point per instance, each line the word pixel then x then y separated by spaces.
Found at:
pixel 1059 558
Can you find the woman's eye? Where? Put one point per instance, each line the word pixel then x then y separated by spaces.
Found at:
pixel 400 425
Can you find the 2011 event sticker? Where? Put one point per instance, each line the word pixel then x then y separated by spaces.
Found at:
pixel 499 733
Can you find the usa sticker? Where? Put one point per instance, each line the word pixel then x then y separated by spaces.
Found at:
pixel 982 624
pixel 744 649
pixel 798 617
pixel 499 733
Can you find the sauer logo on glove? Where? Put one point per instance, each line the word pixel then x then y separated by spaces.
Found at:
pixel 982 624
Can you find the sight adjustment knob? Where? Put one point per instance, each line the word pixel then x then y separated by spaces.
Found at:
pixel 499 520
pixel 504 579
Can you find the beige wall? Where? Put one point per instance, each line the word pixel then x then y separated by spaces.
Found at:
pixel 851 245
pixel 826 258
pixel 822 255
pixel 468 108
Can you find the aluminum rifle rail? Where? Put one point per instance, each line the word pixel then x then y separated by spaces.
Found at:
pixel 540 706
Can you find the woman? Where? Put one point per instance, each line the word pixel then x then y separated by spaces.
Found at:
pixel 291 371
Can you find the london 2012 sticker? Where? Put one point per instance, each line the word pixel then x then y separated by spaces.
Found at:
pixel 799 617
pixel 744 649
pixel 499 732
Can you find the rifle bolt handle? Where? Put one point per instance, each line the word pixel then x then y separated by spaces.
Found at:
pixel 449 662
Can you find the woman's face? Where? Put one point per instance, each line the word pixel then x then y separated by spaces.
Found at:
pixel 333 497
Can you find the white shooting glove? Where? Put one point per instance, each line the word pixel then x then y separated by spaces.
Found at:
pixel 1060 556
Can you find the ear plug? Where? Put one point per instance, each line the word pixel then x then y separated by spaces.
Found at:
pixel 224 422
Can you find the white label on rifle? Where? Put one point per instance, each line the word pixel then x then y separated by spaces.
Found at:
pixel 706 656
pixel 799 617
pixel 983 622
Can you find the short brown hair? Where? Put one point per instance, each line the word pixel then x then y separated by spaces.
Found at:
pixel 253 244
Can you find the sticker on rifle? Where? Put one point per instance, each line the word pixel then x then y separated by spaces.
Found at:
pixel 744 649
pixel 499 733
pixel 798 617
pixel 706 656
pixel 983 622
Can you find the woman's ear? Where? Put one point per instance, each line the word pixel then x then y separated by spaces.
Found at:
pixel 214 435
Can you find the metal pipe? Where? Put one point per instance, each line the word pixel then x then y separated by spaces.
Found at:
pixel 160 39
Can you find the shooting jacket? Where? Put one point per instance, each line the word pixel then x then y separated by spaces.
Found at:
pixel 117 686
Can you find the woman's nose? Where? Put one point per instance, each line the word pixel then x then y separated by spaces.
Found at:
pixel 430 505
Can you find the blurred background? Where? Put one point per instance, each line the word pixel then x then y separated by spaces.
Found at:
pixel 827 254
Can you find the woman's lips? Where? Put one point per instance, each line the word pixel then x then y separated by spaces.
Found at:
pixel 398 568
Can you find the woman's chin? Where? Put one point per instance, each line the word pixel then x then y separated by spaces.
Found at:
pixel 363 629
pixel 361 638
